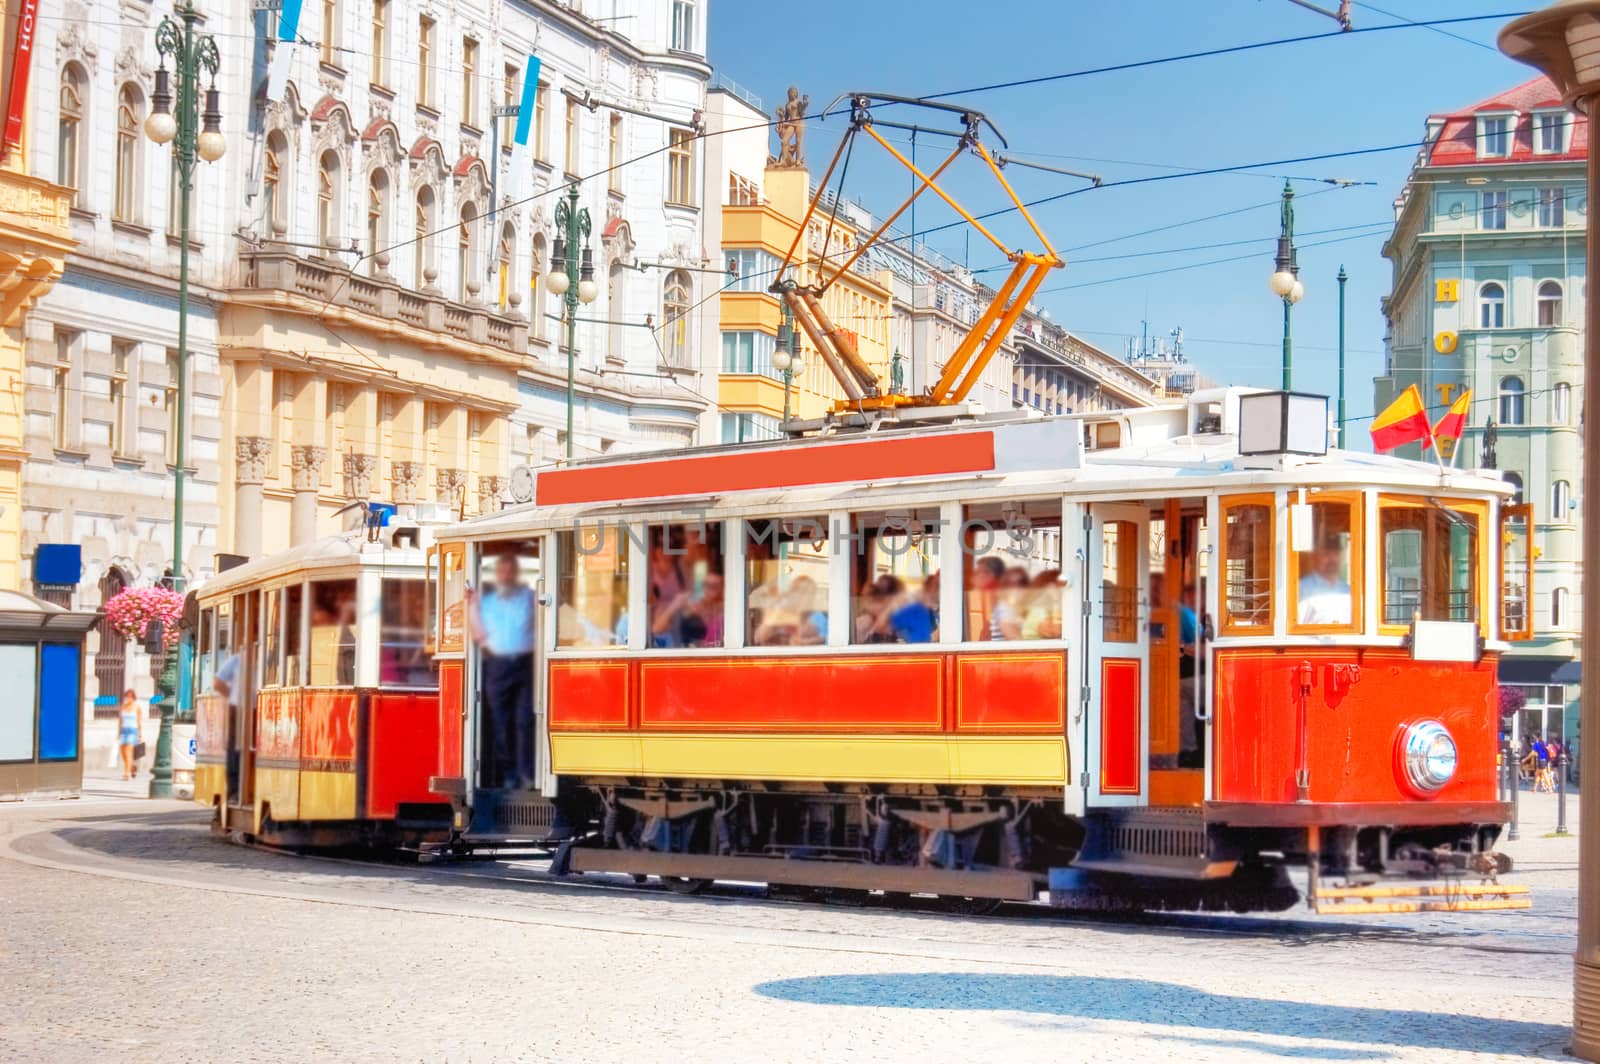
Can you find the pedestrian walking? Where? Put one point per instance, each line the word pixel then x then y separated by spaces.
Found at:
pixel 130 733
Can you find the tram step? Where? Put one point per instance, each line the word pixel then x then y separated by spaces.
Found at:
pixel 1420 898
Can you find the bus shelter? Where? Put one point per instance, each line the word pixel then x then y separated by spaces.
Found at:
pixel 41 715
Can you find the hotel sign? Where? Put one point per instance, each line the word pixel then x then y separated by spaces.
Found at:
pixel 21 63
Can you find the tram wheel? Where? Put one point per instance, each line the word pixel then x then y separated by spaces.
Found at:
pixel 970 906
pixel 684 884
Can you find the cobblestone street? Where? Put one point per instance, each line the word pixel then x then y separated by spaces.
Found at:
pixel 132 934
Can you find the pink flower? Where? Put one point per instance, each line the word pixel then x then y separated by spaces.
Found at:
pixel 131 610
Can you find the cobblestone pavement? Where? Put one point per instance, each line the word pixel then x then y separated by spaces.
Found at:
pixel 248 955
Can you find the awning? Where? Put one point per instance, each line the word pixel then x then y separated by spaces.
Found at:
pixel 1541 670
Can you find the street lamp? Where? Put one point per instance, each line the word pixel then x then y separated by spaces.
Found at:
pixel 1342 278
pixel 786 357
pixel 1563 41
pixel 193 134
pixel 1285 280
pixel 572 279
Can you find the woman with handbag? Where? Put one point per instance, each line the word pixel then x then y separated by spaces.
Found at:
pixel 130 734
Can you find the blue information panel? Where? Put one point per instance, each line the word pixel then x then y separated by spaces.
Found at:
pixel 59 711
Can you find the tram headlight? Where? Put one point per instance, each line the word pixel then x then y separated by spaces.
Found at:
pixel 1428 756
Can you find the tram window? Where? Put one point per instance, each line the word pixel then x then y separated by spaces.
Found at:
pixel 333 633
pixel 292 641
pixel 205 658
pixel 1430 563
pixel 786 574
pixel 1246 566
pixel 1326 575
pixel 894 576
pixel 1119 581
pixel 1011 552
pixel 592 587
pixel 685 572
pixel 272 644
pixel 403 624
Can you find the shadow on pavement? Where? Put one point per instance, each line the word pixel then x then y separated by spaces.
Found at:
pixel 1173 1005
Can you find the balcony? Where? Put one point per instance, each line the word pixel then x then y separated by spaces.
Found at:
pixel 329 285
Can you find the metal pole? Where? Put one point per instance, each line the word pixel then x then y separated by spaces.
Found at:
pixel 1288 301
pixel 1342 278
pixel 1561 793
pixel 1512 834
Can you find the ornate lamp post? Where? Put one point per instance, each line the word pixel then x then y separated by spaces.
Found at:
pixel 1563 41
pixel 786 357
pixel 569 278
pixel 193 134
pixel 1285 279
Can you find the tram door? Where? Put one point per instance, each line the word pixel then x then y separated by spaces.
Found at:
pixel 1117 665
pixel 241 712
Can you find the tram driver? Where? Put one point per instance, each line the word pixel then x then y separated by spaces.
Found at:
pixel 502 620
pixel 1324 594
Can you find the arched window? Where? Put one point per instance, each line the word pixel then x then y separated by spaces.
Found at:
pixel 1515 480
pixel 1492 305
pixel 1558 608
pixel 328 200
pixel 466 251
pixel 1560 500
pixel 110 661
pixel 422 246
pixel 1511 401
pixel 505 264
pixel 274 209
pixel 378 221
pixel 69 142
pixel 675 294
pixel 536 289
pixel 1549 303
pixel 616 306
pixel 130 113
pixel 1561 404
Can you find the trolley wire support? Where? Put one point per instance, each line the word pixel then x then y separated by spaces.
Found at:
pixel 863 389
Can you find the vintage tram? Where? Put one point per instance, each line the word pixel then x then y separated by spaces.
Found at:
pixel 1141 658
pixel 317 708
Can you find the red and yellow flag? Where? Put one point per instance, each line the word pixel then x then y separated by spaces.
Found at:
pixel 1454 421
pixel 1402 422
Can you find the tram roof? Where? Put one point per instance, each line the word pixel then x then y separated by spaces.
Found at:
pixel 349 552
pixel 1156 456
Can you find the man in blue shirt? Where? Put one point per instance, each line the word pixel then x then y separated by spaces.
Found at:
pixel 503 627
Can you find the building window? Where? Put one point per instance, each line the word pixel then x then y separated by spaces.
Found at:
pixel 536 289
pixel 680 167
pixel 1550 132
pixel 425 62
pixel 175 428
pixel 1515 480
pixel 469 81
pixel 1492 305
pixel 328 200
pixel 614 154
pixel 70 139
pixel 422 231
pixel 377 218
pixel 745 428
pixel 110 661
pixel 129 115
pixel 751 270
pixel 466 248
pixel 1558 607
pixel 571 147
pixel 541 114
pixel 62 430
pixel 1548 303
pixel 1552 207
pixel 742 192
pixel 1494 136
pixel 380 42
pixel 616 306
pixel 1560 500
pixel 749 352
pixel 1511 401
pixel 675 294
pixel 124 355
pixel 683 26
pixel 272 206
pixel 330 32
pixel 1561 404
pixel 1493 212
pixel 512 95
pixel 505 258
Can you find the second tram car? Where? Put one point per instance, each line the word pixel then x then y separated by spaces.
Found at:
pixel 1110 656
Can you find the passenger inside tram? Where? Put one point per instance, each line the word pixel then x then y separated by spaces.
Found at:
pixel 786 572
pixel 894 570
pixel 1324 592
pixel 686 583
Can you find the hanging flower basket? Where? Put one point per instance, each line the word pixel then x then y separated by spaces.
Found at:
pixel 132 610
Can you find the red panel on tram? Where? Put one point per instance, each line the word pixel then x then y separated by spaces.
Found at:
pixel 402 748
pixel 1011 692
pixel 588 695
pixel 328 729
pixel 1353 723
pixel 1120 697
pixel 868 693
pixel 970 452
pixel 450 708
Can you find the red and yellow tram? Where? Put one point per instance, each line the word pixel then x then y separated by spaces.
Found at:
pixel 1110 656
pixel 317 709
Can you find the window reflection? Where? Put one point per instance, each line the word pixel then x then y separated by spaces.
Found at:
pixel 895 577
pixel 1247 566
pixel 592 587
pixel 786 577
pixel 1430 564
pixel 403 660
pixel 1012 554
pixel 685 572
pixel 333 633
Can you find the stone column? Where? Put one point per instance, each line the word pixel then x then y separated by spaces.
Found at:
pixel 359 470
pixel 251 454
pixel 305 462
pixel 490 491
pixel 452 488
pixel 406 475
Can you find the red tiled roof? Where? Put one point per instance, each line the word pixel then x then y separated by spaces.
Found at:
pixel 1457 143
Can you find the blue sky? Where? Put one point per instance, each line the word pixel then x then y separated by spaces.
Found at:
pixel 1354 91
